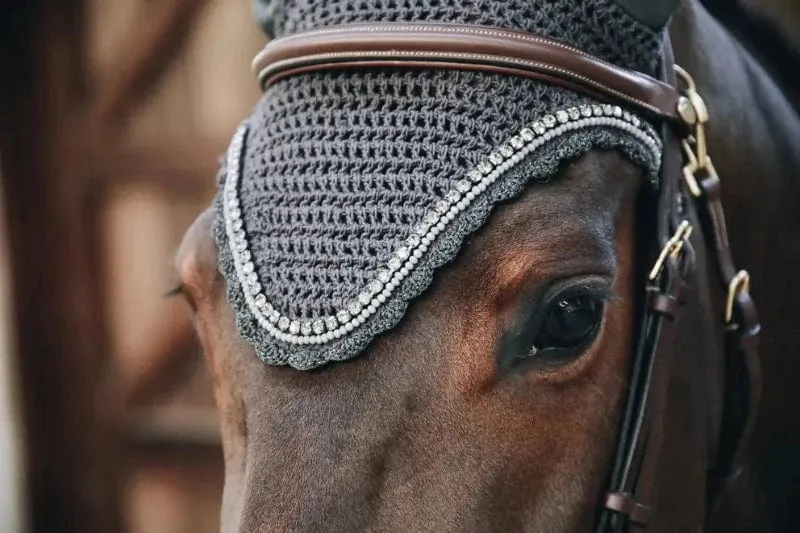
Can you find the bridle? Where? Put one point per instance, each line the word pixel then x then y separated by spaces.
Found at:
pixel 686 172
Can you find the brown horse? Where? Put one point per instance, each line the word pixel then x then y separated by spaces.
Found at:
pixel 433 429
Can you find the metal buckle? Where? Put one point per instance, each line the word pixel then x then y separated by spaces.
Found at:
pixel 739 284
pixel 693 111
pixel 693 167
pixel 671 248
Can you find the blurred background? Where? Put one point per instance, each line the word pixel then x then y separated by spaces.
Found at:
pixel 113 114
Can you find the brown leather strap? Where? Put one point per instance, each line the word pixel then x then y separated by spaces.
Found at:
pixel 454 46
pixel 742 394
pixel 634 474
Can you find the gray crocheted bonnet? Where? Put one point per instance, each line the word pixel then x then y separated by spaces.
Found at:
pixel 344 191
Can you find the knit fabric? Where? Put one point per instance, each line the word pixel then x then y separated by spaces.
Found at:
pixel 598 27
pixel 340 167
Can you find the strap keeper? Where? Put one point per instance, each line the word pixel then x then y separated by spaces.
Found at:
pixel 663 304
pixel 624 504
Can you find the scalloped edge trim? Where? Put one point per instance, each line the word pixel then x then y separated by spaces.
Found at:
pixel 325 329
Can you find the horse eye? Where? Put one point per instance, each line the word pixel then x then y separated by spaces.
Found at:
pixel 570 322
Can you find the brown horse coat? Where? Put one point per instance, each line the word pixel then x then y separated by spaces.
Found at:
pixel 427 432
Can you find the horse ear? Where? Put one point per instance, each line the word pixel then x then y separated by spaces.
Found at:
pixel 652 13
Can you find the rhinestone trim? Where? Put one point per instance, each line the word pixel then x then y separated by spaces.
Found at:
pixel 322 330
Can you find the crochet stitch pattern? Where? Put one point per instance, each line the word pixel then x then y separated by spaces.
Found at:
pixel 345 191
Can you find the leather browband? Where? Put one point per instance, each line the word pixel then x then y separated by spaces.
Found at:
pixel 453 46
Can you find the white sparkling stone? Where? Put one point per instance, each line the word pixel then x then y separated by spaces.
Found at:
pixel 441 207
pixel 574 113
pixel 384 275
pixel 586 110
pixel 527 134
pixel 274 316
pixel 485 167
pixel 608 109
pixel 375 286
pixel 235 213
pixel 260 301
pixel 496 158
pixel 463 186
pixel 617 111
pixel 506 151
pixel 421 229
pixel 283 323
pixel 245 255
pixel 597 110
pixel 354 307
pixel 294 327
pixel 364 298
pixel 255 288
pixel 343 317
pixel 318 326
pixel 539 127
pixel 549 121
pixel 305 328
pixel 562 116
pixel 403 252
pixel 331 323
pixel 248 267
pixel 237 224
pixel 453 196
pixel 475 175
pixel 430 218
pixel 516 142
pixel 394 263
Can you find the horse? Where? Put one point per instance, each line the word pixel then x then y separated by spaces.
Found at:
pixel 436 427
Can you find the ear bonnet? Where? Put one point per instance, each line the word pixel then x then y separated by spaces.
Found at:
pixel 345 191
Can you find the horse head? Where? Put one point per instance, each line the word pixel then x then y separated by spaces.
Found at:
pixel 423 290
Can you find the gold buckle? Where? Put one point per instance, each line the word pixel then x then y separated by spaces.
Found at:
pixel 693 111
pixel 671 248
pixel 693 167
pixel 739 284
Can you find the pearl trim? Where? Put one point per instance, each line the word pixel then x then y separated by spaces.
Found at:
pixel 322 330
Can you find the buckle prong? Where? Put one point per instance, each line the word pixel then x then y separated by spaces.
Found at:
pixel 739 284
pixel 671 248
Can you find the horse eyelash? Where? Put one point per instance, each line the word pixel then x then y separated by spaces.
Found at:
pixel 177 290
